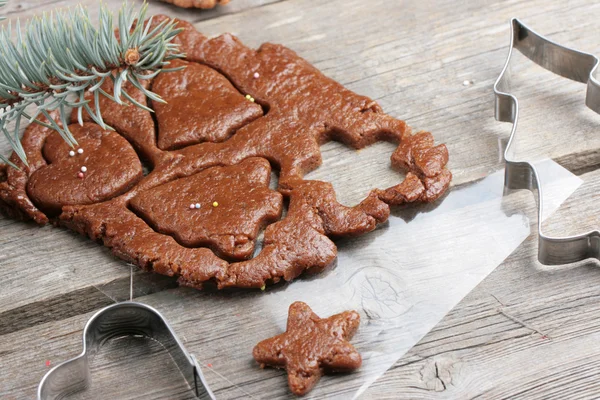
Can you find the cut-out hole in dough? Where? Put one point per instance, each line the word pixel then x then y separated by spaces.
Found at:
pixel 354 173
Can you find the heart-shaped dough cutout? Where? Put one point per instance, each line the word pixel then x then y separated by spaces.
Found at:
pixel 105 167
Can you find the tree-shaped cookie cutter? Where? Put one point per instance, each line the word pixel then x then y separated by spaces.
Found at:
pixel 568 63
pixel 117 320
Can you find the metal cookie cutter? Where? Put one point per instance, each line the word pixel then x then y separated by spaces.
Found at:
pixel 121 319
pixel 571 64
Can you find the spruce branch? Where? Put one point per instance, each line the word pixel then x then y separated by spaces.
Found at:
pixel 59 56
pixel 2 4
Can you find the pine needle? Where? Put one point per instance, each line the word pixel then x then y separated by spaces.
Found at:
pixel 59 56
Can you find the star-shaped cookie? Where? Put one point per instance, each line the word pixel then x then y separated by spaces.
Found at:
pixel 311 346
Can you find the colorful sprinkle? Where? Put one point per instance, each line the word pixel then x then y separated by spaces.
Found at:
pixel 263 287
pixel 467 83
pixel 84 169
pixel 197 205
pixel 72 153
pixel 248 96
pixel 80 175
pixel 209 365
pixel 256 75
pixel 47 363
pixel 215 204
pixel 192 206
pixel 80 151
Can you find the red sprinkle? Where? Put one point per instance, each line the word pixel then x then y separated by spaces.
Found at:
pixel 80 175
pixel 209 365
pixel 47 363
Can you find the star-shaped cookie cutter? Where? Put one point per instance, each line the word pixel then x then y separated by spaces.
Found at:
pixel 117 320
pixel 568 63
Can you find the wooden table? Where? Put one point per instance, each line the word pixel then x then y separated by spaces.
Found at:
pixel 527 331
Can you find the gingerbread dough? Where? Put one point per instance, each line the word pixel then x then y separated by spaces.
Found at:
pixel 311 346
pixel 197 3
pixel 295 109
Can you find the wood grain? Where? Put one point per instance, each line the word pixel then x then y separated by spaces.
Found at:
pixel 479 349
pixel 528 331
pixel 25 9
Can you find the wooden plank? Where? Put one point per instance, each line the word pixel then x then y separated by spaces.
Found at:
pixel 412 58
pixel 528 331
pixel 414 61
pixel 27 9
pixel 377 57
pixel 68 269
pixel 193 315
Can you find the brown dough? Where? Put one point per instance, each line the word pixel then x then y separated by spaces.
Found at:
pixel 133 123
pixel 202 106
pixel 311 346
pixel 14 201
pixel 234 203
pixel 197 3
pixel 150 223
pixel 112 167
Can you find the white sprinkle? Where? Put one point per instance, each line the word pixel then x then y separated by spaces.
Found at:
pixel 467 83
pixel 72 153
pixel 256 75
pixel 20 197
pixel 80 151
pixel 83 169
pixel 192 206
pixel 197 205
